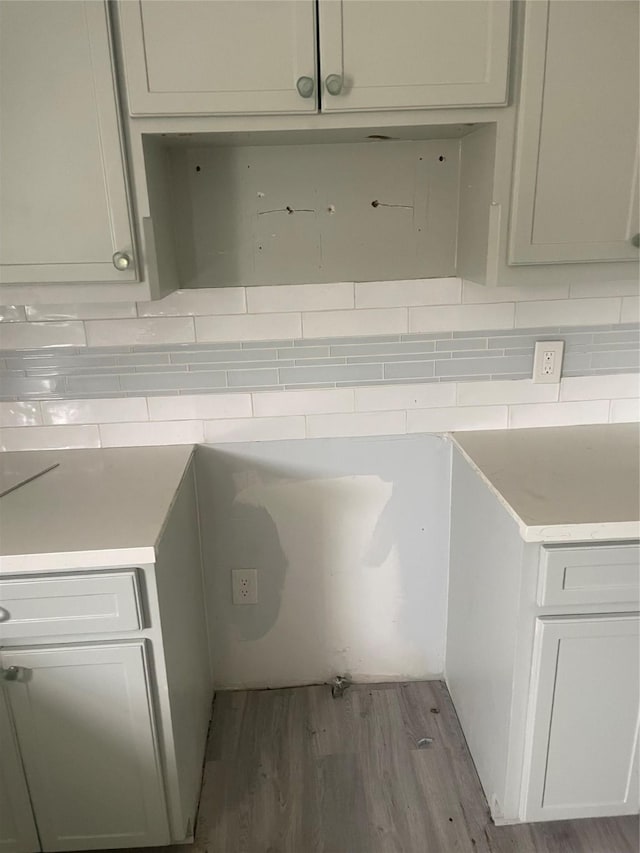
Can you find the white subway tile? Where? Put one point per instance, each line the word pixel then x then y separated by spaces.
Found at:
pixel 505 392
pixel 12 314
pixel 361 321
pixel 474 293
pixel 254 429
pixel 559 414
pixel 249 327
pixel 392 294
pixel 624 411
pixel 453 318
pixel 567 312
pixel 358 423
pixel 155 330
pixel 94 411
pixel 157 432
pixel 49 437
pixel 36 335
pixel 604 288
pixel 90 311
pixel 606 387
pixel 20 414
pixel 199 407
pixel 299 297
pixel 630 312
pixel 451 419
pixel 201 301
pixel 303 402
pixel 394 397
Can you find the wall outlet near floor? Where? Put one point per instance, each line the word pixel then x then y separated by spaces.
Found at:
pixel 244 586
pixel 547 361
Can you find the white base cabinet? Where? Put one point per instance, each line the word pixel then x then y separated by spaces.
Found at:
pixel 582 756
pixel 542 662
pixel 105 698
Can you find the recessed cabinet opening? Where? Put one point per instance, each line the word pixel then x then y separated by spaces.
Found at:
pixel 269 208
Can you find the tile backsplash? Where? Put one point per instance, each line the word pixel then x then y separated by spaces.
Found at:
pixel 176 368
pixel 308 360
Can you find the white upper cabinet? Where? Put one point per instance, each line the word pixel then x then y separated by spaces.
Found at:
pixel 259 56
pixel 403 54
pixel 64 211
pixel 576 172
pixel 222 56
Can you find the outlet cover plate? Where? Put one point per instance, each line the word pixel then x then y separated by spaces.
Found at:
pixel 547 361
pixel 244 586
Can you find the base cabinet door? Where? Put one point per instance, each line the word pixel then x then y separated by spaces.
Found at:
pixel 86 734
pixel 582 757
pixel 18 832
pixel 576 172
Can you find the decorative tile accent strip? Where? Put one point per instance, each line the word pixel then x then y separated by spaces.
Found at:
pixel 338 362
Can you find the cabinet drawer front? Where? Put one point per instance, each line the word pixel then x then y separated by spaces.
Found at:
pixel 590 574
pixel 70 604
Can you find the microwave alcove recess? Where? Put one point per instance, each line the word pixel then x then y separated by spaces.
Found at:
pixel 299 207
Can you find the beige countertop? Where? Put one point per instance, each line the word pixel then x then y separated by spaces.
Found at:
pixel 97 508
pixel 562 484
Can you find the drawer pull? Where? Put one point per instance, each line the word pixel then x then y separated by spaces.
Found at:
pixel 4 614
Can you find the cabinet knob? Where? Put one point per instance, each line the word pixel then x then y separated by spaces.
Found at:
pixel 13 673
pixel 305 86
pixel 635 241
pixel 334 84
pixel 121 261
pixel 4 614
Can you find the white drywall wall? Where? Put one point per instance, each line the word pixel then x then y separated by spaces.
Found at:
pixel 350 540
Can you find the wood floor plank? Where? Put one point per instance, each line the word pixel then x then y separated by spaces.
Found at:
pixel 331 721
pixel 296 771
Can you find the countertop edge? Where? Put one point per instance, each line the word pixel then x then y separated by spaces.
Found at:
pixel 556 533
pixel 70 561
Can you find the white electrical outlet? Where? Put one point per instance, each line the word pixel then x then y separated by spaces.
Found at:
pixel 547 361
pixel 244 586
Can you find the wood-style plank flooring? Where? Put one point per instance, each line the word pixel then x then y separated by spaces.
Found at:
pixel 296 771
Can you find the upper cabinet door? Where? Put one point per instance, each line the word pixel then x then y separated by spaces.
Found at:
pixel 188 57
pixel 576 172
pixel 63 206
pixel 403 54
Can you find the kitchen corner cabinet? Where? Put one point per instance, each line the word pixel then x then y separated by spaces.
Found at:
pixel 64 209
pixel 575 195
pixel 259 56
